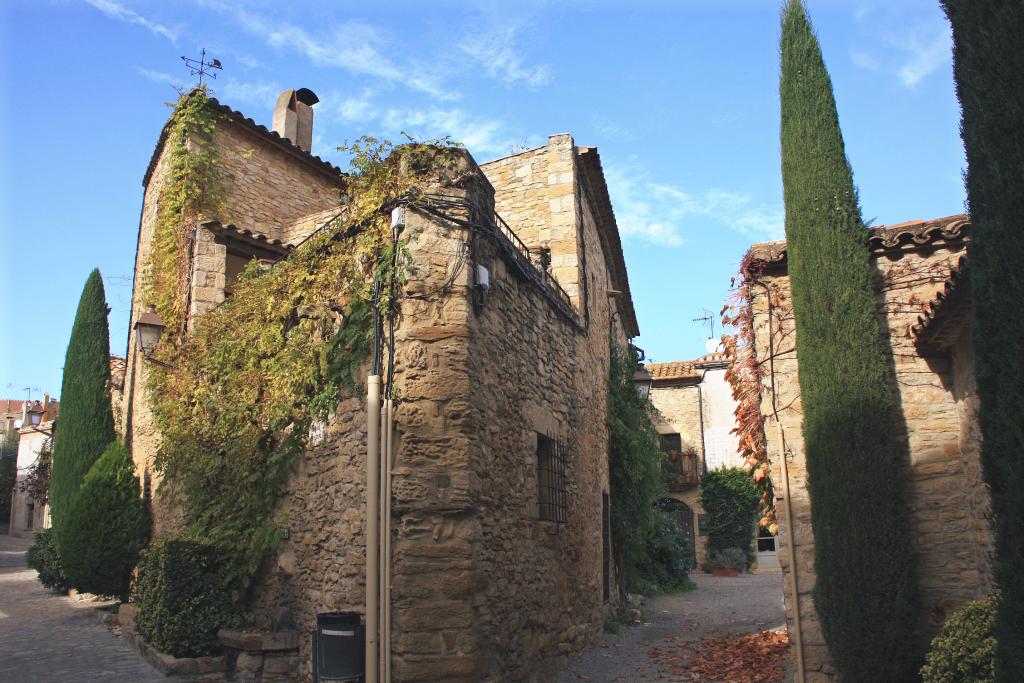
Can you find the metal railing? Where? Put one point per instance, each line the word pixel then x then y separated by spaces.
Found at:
pixel 682 469
pixel 512 247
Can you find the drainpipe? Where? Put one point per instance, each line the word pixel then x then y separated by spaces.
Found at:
pixel 372 530
pixel 388 437
pixel 791 545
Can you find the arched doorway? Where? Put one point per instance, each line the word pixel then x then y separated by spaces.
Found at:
pixel 683 516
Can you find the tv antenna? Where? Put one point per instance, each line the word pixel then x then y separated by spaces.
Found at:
pixel 709 320
pixel 30 390
pixel 200 67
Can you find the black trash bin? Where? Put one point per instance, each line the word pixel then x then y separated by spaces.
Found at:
pixel 338 644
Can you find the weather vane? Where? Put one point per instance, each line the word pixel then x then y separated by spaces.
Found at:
pixel 200 67
pixel 708 320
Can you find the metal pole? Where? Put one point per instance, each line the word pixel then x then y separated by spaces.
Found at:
pixel 372 529
pixel 791 551
pixel 389 407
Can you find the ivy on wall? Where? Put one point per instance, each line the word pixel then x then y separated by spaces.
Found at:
pixel 235 399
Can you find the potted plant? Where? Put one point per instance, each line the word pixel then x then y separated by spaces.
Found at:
pixel 728 562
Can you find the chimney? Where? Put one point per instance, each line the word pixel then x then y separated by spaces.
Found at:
pixel 293 116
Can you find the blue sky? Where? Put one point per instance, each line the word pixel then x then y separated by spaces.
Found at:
pixel 681 98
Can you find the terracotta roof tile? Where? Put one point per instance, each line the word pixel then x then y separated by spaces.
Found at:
pixel 898 237
pixel 947 311
pixel 271 136
pixel 674 370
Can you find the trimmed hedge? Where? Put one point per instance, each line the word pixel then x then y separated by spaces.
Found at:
pixel 106 526
pixel 965 649
pixel 866 592
pixel 180 602
pixel 729 497
pixel 43 557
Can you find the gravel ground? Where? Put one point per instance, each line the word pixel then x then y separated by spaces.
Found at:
pixel 743 604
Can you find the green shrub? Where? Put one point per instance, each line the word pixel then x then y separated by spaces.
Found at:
pixel 666 561
pixel 181 604
pixel 106 526
pixel 730 499
pixel 965 649
pixel 43 557
pixel 729 558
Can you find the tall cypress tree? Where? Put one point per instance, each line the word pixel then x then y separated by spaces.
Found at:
pixel 865 592
pixel 85 426
pixel 988 64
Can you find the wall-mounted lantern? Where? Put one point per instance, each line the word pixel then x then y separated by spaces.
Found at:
pixel 148 329
pixel 643 382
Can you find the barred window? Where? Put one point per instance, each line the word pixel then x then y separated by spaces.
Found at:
pixel 552 498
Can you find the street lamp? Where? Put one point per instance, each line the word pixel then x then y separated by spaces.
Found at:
pixel 643 382
pixel 148 329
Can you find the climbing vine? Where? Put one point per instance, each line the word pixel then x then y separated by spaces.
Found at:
pixel 192 187
pixel 746 376
pixel 236 398
pixel 651 552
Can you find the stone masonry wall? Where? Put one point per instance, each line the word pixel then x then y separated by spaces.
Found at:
pixel 534 372
pixel 677 411
pixel 267 187
pixel 535 192
pixel 945 525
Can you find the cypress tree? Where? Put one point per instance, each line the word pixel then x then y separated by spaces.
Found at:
pixel 85 426
pixel 865 592
pixel 988 64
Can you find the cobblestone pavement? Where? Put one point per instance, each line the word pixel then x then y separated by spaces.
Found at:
pixel 47 638
pixel 742 604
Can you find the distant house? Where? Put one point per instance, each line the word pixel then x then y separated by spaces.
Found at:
pixel 31 513
pixel 694 416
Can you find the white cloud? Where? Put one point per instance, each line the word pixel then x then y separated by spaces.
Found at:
pixel 910 54
pixel 122 13
pixel 480 135
pixel 358 108
pixel 658 212
pixel 610 130
pixel 926 56
pixel 499 53
pixel 256 93
pixel 356 47
pixel 159 76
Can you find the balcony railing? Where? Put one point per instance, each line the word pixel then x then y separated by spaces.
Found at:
pixel 682 469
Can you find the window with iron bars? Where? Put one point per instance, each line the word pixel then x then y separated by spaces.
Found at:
pixel 552 496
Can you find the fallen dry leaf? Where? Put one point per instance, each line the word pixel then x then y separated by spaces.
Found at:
pixel 748 658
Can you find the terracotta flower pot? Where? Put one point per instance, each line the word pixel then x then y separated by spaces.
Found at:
pixel 725 571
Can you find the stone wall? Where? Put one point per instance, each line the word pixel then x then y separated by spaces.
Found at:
pixel 268 188
pixel 943 474
pixel 536 194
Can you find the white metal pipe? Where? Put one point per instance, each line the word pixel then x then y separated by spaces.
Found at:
pixel 372 529
pixel 381 571
pixel 791 552
pixel 389 434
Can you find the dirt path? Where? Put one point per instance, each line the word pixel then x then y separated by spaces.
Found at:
pixel 743 604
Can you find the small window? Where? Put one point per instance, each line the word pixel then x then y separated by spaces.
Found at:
pixel 233 268
pixel 671 443
pixel 552 497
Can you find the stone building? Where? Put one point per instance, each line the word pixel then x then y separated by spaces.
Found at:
pixel 921 294
pixel 35 438
pixel 695 416
pixel 500 549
